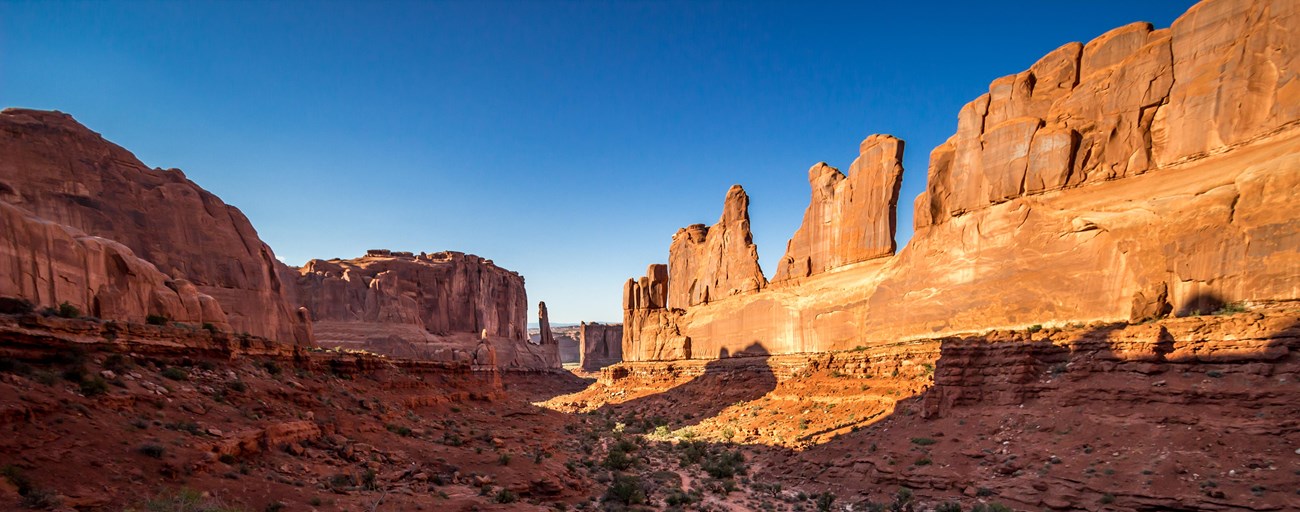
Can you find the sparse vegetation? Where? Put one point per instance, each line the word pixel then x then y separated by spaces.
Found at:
pixel 156 320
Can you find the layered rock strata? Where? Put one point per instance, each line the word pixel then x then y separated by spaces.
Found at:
pixel 1147 172
pixel 601 345
pixel 58 171
pixel 440 306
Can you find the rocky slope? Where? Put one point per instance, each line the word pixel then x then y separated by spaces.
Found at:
pixel 1110 181
pixel 61 172
pixel 439 306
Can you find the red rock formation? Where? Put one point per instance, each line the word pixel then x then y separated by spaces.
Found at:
pixel 436 306
pixel 1072 191
pixel 849 219
pixel 650 330
pixel 715 262
pixel 49 264
pixel 601 345
pixel 544 325
pixel 60 171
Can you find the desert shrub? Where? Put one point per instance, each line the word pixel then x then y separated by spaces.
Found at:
pixel 237 386
pixel 923 441
pixel 156 320
pixel 67 310
pixel 186 500
pixel 504 459
pixel 176 373
pixel 94 386
pixel 271 367
pixel 118 363
pixel 626 489
pixel 399 429
pixel 505 496
pixel 207 326
pixel 725 464
pixel 1231 308
pixel 948 506
pixel 152 450
pixel 825 501
pixel 618 460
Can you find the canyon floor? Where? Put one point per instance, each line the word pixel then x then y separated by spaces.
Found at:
pixel 1157 416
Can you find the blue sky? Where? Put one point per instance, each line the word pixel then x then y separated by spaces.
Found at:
pixel 564 140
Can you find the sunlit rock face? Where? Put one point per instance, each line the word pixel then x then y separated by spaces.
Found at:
pixel 55 170
pixel 1144 173
pixel 850 218
pixel 438 306
pixel 716 261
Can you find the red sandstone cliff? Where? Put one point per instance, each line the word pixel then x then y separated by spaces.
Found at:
pixel 849 219
pixel 433 306
pixel 1146 171
pixel 53 169
pixel 601 345
pixel 717 261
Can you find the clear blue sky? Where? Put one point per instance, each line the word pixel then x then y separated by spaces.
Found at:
pixel 565 140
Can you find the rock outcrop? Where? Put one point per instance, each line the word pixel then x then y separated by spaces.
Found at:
pixel 1147 172
pixel 849 219
pixel 440 306
pixel 718 261
pixel 49 263
pixel 651 330
pixel 601 345
pixel 57 170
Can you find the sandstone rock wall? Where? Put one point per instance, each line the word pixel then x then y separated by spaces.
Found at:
pixel 436 306
pixel 601 345
pixel 49 263
pixel 1147 171
pixel 58 170
pixel 849 219
pixel 718 261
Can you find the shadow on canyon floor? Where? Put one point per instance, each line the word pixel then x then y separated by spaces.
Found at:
pixel 723 382
pixel 1180 414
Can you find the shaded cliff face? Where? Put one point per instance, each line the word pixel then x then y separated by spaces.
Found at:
pixel 1145 172
pixel 601 345
pixel 718 261
pixel 49 263
pixel 849 219
pixel 60 171
pixel 436 306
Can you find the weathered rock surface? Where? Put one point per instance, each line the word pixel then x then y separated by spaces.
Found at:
pixel 715 262
pixel 1071 192
pixel 601 345
pixel 651 331
pixel 49 263
pixel 60 171
pixel 439 306
pixel 849 219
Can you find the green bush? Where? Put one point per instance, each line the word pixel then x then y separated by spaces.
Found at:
pixel 825 501
pixel 68 311
pixel 626 489
pixel 505 496
pixel 176 373
pixel 923 441
pixel 152 450
pixel 726 464
pixel 94 386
